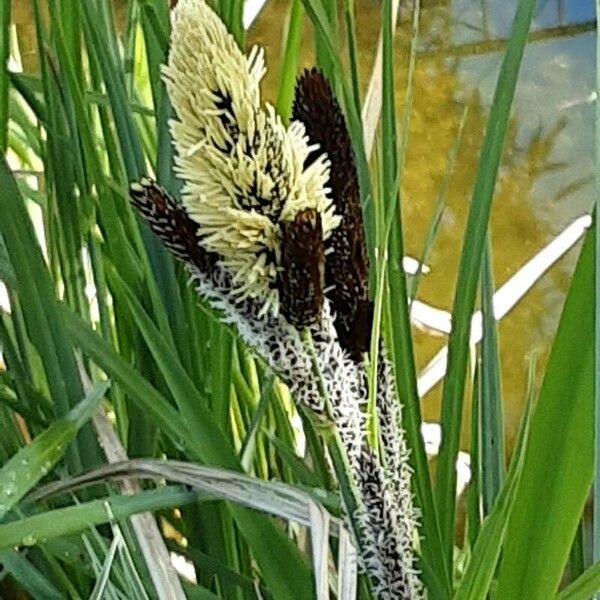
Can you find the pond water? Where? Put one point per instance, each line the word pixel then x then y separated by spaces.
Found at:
pixel 546 179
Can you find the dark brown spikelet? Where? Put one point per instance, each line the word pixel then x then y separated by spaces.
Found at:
pixel 170 221
pixel 347 264
pixel 301 274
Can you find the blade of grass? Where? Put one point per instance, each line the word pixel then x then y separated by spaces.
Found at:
pixel 131 151
pixel 221 346
pixel 352 53
pixel 559 460
pixel 209 425
pixel 192 405
pixel 247 450
pixel 469 269
pixel 291 58
pixel 473 512
pixel 492 428
pixel 596 490
pixel 577 552
pixel 398 327
pixel 326 38
pixel 36 459
pixel 196 592
pixel 584 587
pixel 232 14
pixel 302 474
pixel 127 134
pixel 209 564
pixel 52 524
pixel 371 110
pixel 314 9
pixel 103 577
pixel 29 577
pixel 155 25
pixel 476 582
pixel 42 318
pixel 4 79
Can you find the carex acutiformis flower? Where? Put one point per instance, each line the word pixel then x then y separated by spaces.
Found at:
pixel 273 240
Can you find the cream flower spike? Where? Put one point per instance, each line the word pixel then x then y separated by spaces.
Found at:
pixel 244 171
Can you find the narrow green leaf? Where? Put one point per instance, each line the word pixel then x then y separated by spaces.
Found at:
pixel 469 269
pixel 559 460
pixel 315 10
pixel 27 87
pixel 248 449
pixel 352 53
pixel 396 310
pixel 584 587
pixel 221 346
pixel 7 273
pixel 473 511
pixel 28 576
pixel 196 592
pixel 4 79
pixel 36 295
pixel 302 473
pixel 478 577
pixel 155 24
pixel 140 390
pixel 128 136
pixel 289 63
pixel 577 552
pixel 192 405
pixel 596 489
pixel 210 564
pixel 492 424
pixel 36 459
pixel 75 519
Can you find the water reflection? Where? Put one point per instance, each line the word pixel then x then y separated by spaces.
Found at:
pixel 546 175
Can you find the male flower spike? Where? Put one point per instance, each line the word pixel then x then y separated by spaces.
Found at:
pixel 244 172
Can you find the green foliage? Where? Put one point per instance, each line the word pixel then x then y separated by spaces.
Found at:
pixel 559 460
pixel 470 267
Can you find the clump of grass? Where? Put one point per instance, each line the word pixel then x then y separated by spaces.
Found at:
pixel 185 386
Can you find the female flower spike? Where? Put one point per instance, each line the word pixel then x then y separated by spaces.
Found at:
pixel 244 172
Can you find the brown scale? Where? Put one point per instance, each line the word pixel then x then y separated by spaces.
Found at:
pixel 170 221
pixel 347 264
pixel 300 276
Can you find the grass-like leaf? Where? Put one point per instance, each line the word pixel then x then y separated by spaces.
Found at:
pixel 4 79
pixel 469 270
pixel 492 428
pixel 583 588
pixel 51 524
pixel 36 459
pixel 476 582
pixel 559 460
pixel 291 58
